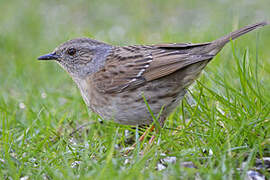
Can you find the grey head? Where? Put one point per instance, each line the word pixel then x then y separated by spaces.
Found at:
pixel 80 57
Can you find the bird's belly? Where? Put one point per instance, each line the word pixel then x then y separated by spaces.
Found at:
pixel 128 107
pixel 128 111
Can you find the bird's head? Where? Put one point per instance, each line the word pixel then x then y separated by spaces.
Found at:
pixel 80 57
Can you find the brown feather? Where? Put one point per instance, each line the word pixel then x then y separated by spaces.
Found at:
pixel 129 67
pixel 144 63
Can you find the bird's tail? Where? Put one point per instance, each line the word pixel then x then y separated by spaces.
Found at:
pixel 233 35
pixel 216 45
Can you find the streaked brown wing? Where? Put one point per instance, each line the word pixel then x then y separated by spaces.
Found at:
pixel 181 45
pixel 131 66
pixel 123 70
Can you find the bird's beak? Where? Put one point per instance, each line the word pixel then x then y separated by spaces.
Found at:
pixel 52 56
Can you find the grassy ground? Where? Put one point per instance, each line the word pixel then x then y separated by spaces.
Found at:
pixel 221 128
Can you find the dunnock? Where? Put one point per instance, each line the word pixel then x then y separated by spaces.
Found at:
pixel 113 79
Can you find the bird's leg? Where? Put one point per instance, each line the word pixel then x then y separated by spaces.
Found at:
pixel 142 137
pixel 161 123
pixel 146 132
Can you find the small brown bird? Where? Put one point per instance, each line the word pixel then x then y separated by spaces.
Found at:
pixel 113 79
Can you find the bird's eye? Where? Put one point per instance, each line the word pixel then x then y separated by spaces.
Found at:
pixel 71 51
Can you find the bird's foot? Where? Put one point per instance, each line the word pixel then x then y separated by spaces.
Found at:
pixel 141 139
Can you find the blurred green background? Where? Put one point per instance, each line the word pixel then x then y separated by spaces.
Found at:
pixel 39 102
pixel 32 28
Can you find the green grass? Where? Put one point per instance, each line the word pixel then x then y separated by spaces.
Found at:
pixel 221 123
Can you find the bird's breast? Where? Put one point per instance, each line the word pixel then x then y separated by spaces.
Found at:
pixel 84 88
